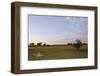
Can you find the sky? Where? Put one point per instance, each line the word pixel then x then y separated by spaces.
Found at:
pixel 57 29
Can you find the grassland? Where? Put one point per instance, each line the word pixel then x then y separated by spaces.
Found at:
pixel 56 52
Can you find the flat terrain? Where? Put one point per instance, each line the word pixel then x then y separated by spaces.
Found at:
pixel 56 52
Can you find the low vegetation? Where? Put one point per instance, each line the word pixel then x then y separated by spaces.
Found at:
pixel 57 52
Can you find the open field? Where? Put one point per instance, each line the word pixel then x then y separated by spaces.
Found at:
pixel 56 52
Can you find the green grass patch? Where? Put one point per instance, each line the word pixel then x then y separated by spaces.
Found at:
pixel 56 52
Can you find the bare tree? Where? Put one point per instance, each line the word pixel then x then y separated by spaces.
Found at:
pixel 78 44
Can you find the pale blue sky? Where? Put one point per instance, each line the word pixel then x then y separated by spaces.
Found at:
pixel 57 29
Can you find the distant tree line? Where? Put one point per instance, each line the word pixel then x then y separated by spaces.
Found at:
pixel 38 44
pixel 77 44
